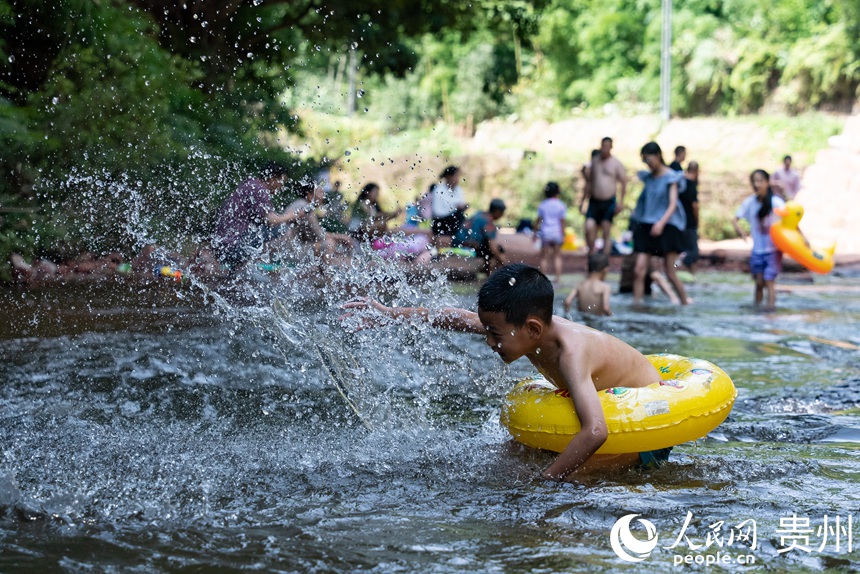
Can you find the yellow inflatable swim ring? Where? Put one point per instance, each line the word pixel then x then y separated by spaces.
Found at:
pixel 693 398
pixel 787 238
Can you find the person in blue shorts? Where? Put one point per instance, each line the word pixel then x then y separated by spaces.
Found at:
pixel 765 259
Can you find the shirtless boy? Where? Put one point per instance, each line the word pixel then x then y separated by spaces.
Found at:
pixel 592 295
pixel 515 315
pixel 607 173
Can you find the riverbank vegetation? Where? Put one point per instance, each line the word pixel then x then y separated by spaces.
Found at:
pixel 143 114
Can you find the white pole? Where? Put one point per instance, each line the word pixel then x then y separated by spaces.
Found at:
pixel 666 62
pixel 350 96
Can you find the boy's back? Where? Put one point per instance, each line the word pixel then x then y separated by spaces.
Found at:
pixel 609 361
pixel 592 296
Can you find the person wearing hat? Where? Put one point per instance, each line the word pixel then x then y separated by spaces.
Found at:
pixel 479 233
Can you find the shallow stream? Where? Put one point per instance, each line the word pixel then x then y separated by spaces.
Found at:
pixel 166 428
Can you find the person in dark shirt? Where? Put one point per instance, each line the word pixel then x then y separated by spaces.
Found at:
pixel 479 233
pixel 247 220
pixel 680 155
pixel 690 200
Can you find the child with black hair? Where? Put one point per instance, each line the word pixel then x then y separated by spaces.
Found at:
pixel 765 259
pixel 515 315
pixel 592 295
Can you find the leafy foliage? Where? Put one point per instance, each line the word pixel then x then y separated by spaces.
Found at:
pixel 172 93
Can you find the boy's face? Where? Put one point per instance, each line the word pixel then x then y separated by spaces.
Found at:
pixel 506 340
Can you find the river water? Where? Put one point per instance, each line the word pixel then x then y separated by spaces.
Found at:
pixel 166 427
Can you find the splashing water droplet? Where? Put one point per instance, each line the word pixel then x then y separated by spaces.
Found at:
pixel 512 281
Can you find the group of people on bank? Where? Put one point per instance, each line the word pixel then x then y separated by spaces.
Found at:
pixel 247 222
pixel 663 224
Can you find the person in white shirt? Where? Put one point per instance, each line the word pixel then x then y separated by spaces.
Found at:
pixel 448 206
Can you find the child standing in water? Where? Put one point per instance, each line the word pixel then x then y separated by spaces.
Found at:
pixel 765 259
pixel 549 228
pixel 592 295
pixel 515 316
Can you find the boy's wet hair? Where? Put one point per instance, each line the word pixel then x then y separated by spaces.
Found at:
pixel 597 262
pixel 518 291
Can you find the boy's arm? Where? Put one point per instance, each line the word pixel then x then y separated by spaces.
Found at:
pixel 538 223
pixel 738 229
pixel 275 218
pixel 590 414
pixel 660 225
pixel 607 290
pixel 569 300
pixel 623 180
pixel 449 318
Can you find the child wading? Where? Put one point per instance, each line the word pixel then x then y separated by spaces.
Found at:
pixel 515 316
pixel 765 260
pixel 592 295
pixel 549 228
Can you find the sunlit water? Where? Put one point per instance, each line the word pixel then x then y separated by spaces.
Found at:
pixel 163 427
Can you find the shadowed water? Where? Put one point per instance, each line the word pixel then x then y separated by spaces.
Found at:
pixel 170 427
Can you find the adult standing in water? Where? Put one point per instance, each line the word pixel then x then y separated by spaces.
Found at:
pixel 690 201
pixel 660 222
pixel 607 175
pixel 247 220
pixel 448 206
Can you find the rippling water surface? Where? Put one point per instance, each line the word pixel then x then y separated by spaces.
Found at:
pixel 165 427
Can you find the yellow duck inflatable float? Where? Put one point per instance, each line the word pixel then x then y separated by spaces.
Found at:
pixel 788 239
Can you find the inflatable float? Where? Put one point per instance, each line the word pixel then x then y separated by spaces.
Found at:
pixel 691 400
pixel 788 239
